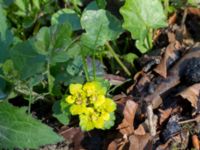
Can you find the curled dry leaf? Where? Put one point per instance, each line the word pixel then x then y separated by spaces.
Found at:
pixel 169 53
pixel 126 127
pixel 139 142
pixel 191 94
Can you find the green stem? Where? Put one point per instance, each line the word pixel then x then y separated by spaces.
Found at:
pixel 85 68
pixel 117 59
pixel 30 100
pixel 149 39
pixel 94 66
pixel 166 5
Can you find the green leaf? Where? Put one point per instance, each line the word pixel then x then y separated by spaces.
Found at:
pixel 3 93
pixel 61 112
pixel 19 130
pixel 74 67
pixel 101 26
pixel 66 15
pixel 140 17
pixel 195 3
pixel 53 42
pixel 130 57
pixel 4 25
pixel 26 59
pixel 101 4
pixel 91 6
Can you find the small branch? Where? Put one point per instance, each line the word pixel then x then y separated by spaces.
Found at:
pixel 117 59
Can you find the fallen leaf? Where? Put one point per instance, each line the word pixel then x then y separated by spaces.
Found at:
pixel 164 146
pixel 172 19
pixel 69 133
pixel 114 79
pixel 139 142
pixel 173 78
pixel 174 45
pixel 140 130
pixel 126 127
pixel 195 142
pixel 194 11
pixel 112 146
pixel 191 94
pixel 164 115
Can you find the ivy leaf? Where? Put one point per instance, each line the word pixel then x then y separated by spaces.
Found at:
pixel 142 16
pixel 66 15
pixel 101 26
pixel 19 130
pixel 24 56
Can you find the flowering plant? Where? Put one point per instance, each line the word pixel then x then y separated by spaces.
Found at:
pixel 95 110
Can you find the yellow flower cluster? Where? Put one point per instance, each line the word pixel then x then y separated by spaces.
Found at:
pixel 88 101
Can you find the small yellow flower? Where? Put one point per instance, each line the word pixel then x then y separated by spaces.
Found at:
pixel 109 105
pixel 90 88
pixel 70 99
pixel 99 101
pixel 99 123
pixel 77 109
pixel 75 88
pixel 105 116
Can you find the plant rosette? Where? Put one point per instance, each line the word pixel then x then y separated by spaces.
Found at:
pixel 89 102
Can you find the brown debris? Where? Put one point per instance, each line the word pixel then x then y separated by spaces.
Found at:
pixel 126 127
pixel 139 142
pixel 191 94
pixel 174 46
pixel 165 114
pixel 173 78
pixel 195 142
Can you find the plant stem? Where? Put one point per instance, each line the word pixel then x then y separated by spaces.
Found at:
pixel 94 66
pixel 49 77
pixel 30 100
pixel 85 68
pixel 166 5
pixel 117 59
pixel 149 38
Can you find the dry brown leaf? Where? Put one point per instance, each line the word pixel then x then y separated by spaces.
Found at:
pixel 173 78
pixel 195 142
pixel 126 127
pixel 139 142
pixel 112 146
pixel 69 133
pixel 191 94
pixel 174 45
pixel 140 130
pixel 172 19
pixel 164 115
pixel 164 146
pixel 194 11
pixel 114 79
